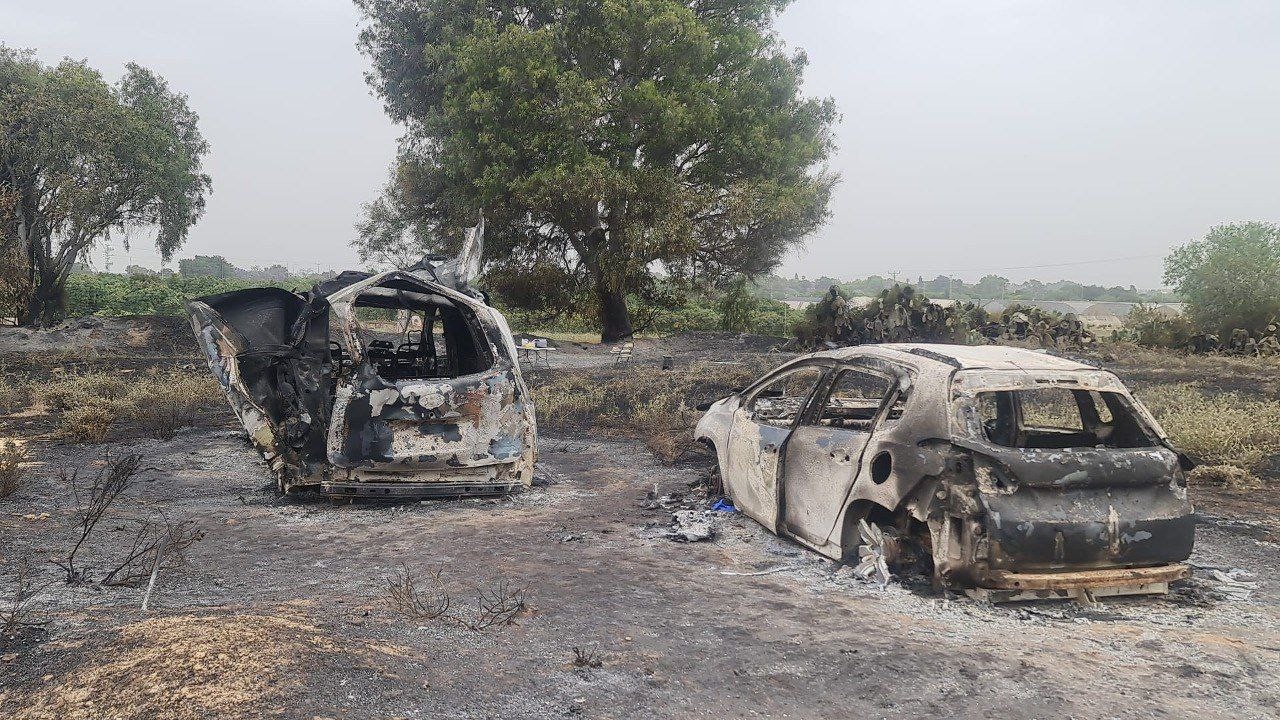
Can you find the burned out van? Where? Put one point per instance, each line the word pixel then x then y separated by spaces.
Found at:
pixel 436 407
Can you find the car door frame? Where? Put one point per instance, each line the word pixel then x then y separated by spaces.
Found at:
pixel 748 454
pixel 842 458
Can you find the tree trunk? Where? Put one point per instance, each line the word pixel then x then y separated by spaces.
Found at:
pixel 48 302
pixel 615 319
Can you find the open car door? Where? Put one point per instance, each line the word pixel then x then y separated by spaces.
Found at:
pixel 268 347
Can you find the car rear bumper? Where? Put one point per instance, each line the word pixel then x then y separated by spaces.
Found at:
pixel 485 480
pixel 416 490
pixel 1087 579
pixel 1082 585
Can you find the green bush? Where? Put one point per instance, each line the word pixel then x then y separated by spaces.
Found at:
pixel 113 295
pixel 1150 327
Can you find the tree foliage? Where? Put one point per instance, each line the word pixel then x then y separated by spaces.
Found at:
pixel 214 266
pixel 81 160
pixel 1230 278
pixel 607 141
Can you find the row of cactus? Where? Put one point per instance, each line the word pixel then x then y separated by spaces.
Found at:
pixel 901 314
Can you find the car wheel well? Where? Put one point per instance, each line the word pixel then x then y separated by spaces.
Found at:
pixel 872 512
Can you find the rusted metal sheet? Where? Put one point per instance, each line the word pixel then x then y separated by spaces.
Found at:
pixel 444 414
pixel 1106 502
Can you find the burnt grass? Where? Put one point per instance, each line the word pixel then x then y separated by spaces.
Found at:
pixel 282 608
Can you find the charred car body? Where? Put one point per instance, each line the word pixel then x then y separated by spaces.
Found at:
pixel 1014 473
pixel 442 412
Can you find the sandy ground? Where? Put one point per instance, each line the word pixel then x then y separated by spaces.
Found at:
pixel 281 612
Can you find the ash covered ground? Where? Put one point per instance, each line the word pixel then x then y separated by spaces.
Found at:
pixel 281 609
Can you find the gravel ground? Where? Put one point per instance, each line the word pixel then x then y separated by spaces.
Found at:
pixel 281 611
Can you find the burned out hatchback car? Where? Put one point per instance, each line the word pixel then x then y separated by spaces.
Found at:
pixel 437 408
pixel 1012 473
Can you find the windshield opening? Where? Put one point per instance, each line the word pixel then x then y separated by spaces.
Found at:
pixel 415 335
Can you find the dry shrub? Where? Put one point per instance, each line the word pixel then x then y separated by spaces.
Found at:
pixel 1229 476
pixel 163 401
pixel 70 391
pixel 88 424
pixel 425 600
pixel 644 403
pixel 496 601
pixel 13 391
pixel 157 402
pixel 1142 367
pixel 182 668
pixel 12 459
pixel 1218 428
pixel 587 658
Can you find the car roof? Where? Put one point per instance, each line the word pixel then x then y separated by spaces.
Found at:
pixel 967 357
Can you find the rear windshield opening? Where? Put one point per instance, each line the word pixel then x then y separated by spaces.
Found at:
pixel 1057 417
pixel 412 335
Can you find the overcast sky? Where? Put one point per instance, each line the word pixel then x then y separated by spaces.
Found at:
pixel 1002 136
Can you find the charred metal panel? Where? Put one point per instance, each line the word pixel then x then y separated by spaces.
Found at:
pixel 751 475
pixel 820 467
pixel 1046 529
pixel 398 426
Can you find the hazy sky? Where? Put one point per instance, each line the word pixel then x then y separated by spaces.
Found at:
pixel 976 136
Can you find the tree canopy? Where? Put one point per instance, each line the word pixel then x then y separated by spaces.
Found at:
pixel 1230 278
pixel 81 159
pixel 607 142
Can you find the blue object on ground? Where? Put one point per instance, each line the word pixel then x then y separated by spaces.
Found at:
pixel 723 505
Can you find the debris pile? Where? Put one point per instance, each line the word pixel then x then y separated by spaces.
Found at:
pixel 1265 343
pixel 1220 583
pixel 692 513
pixel 899 314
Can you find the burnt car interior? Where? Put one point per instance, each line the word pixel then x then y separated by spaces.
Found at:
pixel 1060 418
pixel 442 341
pixel 781 401
pixel 852 403
pixel 855 399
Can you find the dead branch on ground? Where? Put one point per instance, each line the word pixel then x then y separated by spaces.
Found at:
pixel 497 600
pixel 404 595
pixel 587 658
pixel 93 502
pixel 17 608
pixel 169 539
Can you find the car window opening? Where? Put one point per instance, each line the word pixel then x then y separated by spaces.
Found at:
pixel 779 402
pixel 854 400
pixel 414 335
pixel 1060 418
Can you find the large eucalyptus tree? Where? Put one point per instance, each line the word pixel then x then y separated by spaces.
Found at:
pixel 607 142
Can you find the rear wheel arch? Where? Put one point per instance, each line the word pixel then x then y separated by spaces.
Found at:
pixel 856 511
